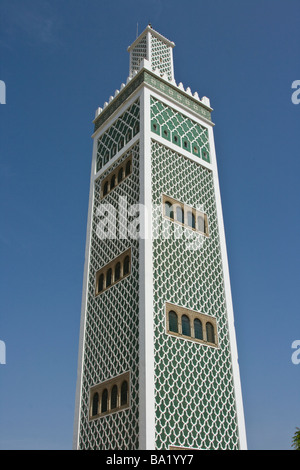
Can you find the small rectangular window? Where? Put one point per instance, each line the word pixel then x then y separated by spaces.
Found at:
pixel 189 324
pixel 122 171
pixel 185 215
pixel 113 272
pixel 110 396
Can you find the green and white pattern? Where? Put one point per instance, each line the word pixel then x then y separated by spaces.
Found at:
pixel 111 344
pixel 119 134
pixel 194 390
pixel 179 129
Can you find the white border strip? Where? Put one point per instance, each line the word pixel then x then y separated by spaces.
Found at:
pixel 229 306
pixel 146 340
pixel 84 305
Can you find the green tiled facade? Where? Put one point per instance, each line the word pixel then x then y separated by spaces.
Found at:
pixel 182 392
pixel 194 390
pixel 112 326
pixel 179 129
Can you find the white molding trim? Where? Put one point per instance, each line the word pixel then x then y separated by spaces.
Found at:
pixel 84 305
pixel 228 298
pixel 146 339
pixel 181 108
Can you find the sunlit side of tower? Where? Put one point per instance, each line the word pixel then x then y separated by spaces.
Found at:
pixel 158 365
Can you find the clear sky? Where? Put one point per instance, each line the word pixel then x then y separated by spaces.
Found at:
pixel 60 60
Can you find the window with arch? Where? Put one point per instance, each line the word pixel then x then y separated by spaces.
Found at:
pixel 95 406
pixel 191 219
pixel 112 182
pixel 115 177
pixel 114 397
pixel 124 393
pixel 188 324
pixel 210 332
pixel 110 396
pixel 118 271
pixel 201 223
pixel 101 282
pixel 179 214
pixel 169 210
pixel 108 277
pixel 185 215
pixel 104 401
pixel 120 174
pixel 198 328
pixel 173 322
pixel 185 325
pixel 126 266
pixel 113 272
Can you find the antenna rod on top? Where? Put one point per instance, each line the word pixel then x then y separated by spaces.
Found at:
pixel 137 30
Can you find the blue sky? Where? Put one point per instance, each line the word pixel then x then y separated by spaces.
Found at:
pixel 60 60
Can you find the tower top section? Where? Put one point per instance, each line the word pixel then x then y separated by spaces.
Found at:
pixel 156 49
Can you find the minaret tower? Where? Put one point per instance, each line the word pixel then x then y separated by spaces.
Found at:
pixel 158 366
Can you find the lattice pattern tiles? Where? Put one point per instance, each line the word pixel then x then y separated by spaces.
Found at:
pixel 201 412
pixel 112 326
pixel 179 129
pixel 138 54
pixel 194 392
pixel 119 134
pixel 161 57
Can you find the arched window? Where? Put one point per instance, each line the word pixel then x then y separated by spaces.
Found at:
pixel 120 175
pixel 108 277
pixel 191 219
pixel 128 168
pixel 173 323
pixel 210 333
pixel 185 324
pixel 179 214
pixel 118 271
pixel 113 181
pixel 126 267
pixel 104 400
pixel 95 404
pixel 201 223
pixel 114 397
pixel 198 329
pixel 105 188
pixel 124 393
pixel 101 283
pixel 168 210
